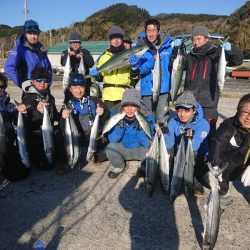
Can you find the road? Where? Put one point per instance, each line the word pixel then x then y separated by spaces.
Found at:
pixel 87 210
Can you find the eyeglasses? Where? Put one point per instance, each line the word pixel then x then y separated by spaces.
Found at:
pixel 40 80
pixel 77 81
pixel 245 113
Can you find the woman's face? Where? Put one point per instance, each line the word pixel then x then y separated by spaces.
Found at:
pixel 244 116
pixel 130 110
pixel 185 114
pixel 116 41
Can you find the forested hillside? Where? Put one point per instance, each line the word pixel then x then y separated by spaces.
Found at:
pixel 131 19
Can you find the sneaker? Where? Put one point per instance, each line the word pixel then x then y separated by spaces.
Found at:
pixel 113 175
pixel 198 190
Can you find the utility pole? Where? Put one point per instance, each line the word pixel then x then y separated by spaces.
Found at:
pixel 50 38
pixel 26 11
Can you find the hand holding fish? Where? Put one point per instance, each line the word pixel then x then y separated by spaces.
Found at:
pixel 65 113
pixel 40 106
pixel 227 46
pixel 134 61
pixel 72 53
pixel 189 133
pixel 79 55
pixel 245 179
pixel 21 108
pixel 99 110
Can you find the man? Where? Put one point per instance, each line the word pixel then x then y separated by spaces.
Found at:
pixel 201 71
pixel 26 55
pixel 154 38
pixel 230 146
pixel 128 141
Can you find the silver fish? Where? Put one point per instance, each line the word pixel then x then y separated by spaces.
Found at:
pixel 143 123
pixel 221 70
pixel 92 139
pixel 21 140
pixel 176 75
pixel 81 68
pixel 68 142
pixel 212 221
pixel 112 122
pixel 179 165
pixel 3 149
pixel 47 132
pixel 164 164
pixel 188 177
pixel 156 77
pixel 66 72
pixel 152 162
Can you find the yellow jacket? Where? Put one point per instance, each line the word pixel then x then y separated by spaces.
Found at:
pixel 118 76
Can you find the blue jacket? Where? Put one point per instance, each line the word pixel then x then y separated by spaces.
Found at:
pixel 146 71
pixel 128 134
pixel 23 58
pixel 198 124
pixel 8 110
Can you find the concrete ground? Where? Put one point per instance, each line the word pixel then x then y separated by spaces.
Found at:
pixel 87 210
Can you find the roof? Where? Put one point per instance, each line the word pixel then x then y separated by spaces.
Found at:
pixel 94 47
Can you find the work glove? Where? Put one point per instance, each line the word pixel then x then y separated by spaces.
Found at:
pixel 176 43
pixel 227 46
pixel 134 61
pixel 245 179
pixel 94 72
pixel 209 176
pixel 120 124
pixel 189 133
pixel 163 127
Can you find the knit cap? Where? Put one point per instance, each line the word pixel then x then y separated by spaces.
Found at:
pixel 74 37
pixel 115 31
pixel 186 100
pixel 200 31
pixel 131 97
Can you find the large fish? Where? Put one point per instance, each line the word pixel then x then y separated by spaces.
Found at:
pixel 188 176
pixel 3 149
pixel 212 221
pixel 156 77
pixel 47 132
pixel 66 72
pixel 221 70
pixel 152 162
pixel 179 165
pixel 68 142
pixel 112 122
pixel 176 75
pixel 143 123
pixel 21 140
pixel 81 68
pixel 121 59
pixel 92 139
pixel 164 164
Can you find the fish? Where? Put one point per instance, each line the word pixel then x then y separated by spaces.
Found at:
pixel 189 169
pixel 164 164
pixel 113 121
pixel 212 221
pixel 143 123
pixel 92 139
pixel 68 142
pixel 21 140
pixel 176 75
pixel 47 133
pixel 179 165
pixel 152 162
pixel 81 68
pixel 156 77
pixel 3 148
pixel 66 72
pixel 121 59
pixel 221 70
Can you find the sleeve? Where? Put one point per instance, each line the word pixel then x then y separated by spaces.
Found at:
pixel 234 57
pixel 64 56
pixel 170 136
pixel 87 58
pixel 147 62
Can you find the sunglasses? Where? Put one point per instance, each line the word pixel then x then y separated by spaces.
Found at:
pixel 40 80
pixel 77 81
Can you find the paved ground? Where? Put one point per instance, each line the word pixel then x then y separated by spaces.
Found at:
pixel 87 210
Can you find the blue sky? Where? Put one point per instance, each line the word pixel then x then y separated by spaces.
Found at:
pixel 53 14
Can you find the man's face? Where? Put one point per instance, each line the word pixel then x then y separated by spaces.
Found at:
pixel 130 110
pixel 185 114
pixel 244 116
pixel 116 41
pixel 77 91
pixel 198 41
pixel 152 33
pixel 40 84
pixel 32 37
pixel 75 45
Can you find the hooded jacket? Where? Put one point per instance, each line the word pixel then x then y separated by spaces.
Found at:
pixel 200 129
pixel 23 58
pixel 8 110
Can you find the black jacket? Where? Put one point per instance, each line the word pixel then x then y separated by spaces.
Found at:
pixel 201 72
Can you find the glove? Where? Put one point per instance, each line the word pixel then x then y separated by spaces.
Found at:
pixel 93 72
pixel 120 124
pixel 163 127
pixel 227 46
pixel 134 61
pixel 209 176
pixel 245 179
pixel 176 43
pixel 189 133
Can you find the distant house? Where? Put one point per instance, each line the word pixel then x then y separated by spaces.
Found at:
pixel 96 48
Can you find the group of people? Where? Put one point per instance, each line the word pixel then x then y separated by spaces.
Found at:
pixel 196 108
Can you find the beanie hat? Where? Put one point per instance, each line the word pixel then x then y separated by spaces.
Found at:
pixel 186 100
pixel 76 79
pixel 31 25
pixel 75 37
pixel 200 31
pixel 115 31
pixel 40 72
pixel 3 81
pixel 131 97
pixel 127 39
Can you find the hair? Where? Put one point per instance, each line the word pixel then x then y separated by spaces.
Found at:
pixel 243 100
pixel 154 22
pixel 40 72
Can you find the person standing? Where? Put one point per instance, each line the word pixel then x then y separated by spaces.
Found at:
pixel 26 55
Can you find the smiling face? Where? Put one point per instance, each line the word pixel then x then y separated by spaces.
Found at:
pixel 75 45
pixel 130 110
pixel 40 84
pixel 152 33
pixel 32 37
pixel 185 114
pixel 77 91
pixel 198 41
pixel 244 116
pixel 116 41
